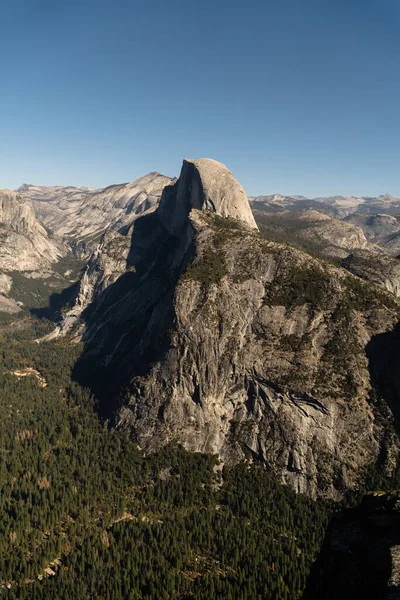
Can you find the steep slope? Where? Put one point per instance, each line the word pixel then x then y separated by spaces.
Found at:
pixel 379 268
pixel 106 264
pixel 314 230
pixel 25 247
pixel 381 229
pixel 81 215
pixel 24 243
pixel 232 344
pixel 325 236
pixel 110 259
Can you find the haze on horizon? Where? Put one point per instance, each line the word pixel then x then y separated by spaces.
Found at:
pixel 295 98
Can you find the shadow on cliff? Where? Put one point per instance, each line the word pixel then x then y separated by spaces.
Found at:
pixel 355 560
pixel 56 302
pixel 128 327
pixel 383 353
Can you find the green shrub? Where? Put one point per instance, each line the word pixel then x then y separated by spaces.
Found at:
pixel 208 268
pixel 297 285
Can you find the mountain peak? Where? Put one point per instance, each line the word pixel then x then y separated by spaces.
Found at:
pixel 208 185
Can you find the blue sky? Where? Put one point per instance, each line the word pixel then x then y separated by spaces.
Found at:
pixel 294 96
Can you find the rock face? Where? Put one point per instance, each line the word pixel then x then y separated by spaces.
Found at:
pixel 204 184
pixel 364 242
pixel 5 283
pixel 8 305
pixel 232 344
pixel 207 185
pixel 105 265
pixel 27 252
pixel 81 215
pixel 24 243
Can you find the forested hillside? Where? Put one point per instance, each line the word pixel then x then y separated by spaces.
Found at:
pixel 86 515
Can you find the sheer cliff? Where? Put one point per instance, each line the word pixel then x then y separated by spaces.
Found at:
pixel 25 246
pixel 208 334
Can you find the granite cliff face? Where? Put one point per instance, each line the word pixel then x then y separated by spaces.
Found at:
pixel 205 333
pixel 105 265
pixel 378 268
pixel 25 246
pixel 204 184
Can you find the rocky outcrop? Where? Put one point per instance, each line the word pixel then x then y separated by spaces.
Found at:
pixel 5 283
pixel 361 240
pixel 204 184
pixel 207 185
pixel 26 248
pixel 232 344
pixel 258 365
pixel 335 236
pixel 24 243
pixel 7 305
pixel 105 265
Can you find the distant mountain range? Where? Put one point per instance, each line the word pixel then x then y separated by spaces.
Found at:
pixel 338 206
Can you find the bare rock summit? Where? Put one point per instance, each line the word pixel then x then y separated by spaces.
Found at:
pixel 207 185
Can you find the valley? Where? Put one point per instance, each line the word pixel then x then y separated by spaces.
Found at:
pixel 192 386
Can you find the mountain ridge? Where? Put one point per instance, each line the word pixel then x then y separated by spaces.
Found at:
pixel 81 215
pixel 228 343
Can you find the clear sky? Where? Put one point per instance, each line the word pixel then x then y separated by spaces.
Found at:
pixel 294 96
